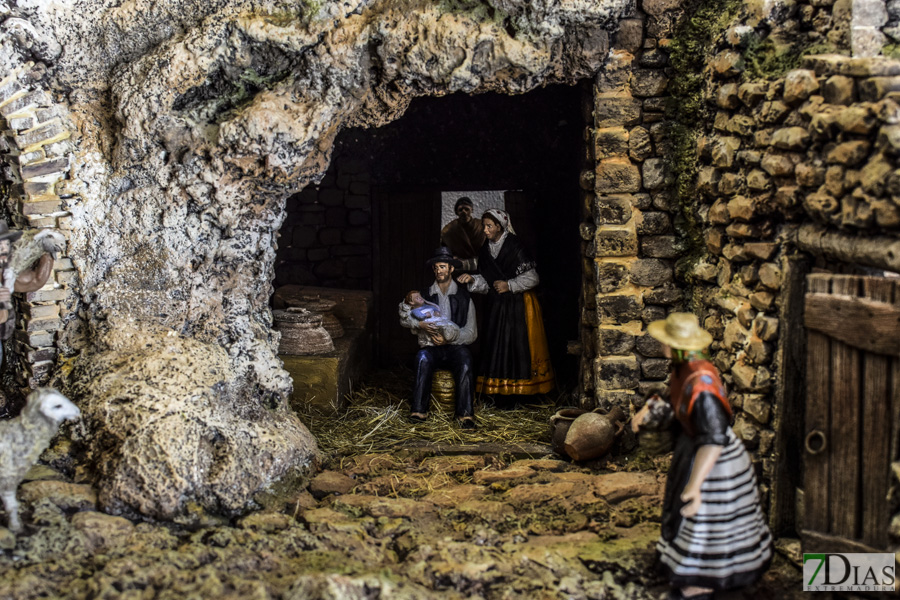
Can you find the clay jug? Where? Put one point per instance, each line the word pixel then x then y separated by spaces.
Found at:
pixel 559 426
pixel 593 434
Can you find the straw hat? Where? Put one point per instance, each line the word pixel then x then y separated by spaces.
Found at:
pixel 681 331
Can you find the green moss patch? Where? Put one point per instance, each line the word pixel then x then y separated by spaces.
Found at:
pixel 691 47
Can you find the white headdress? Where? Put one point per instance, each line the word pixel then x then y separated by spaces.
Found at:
pixel 502 217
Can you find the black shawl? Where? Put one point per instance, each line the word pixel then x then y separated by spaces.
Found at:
pixel 505 353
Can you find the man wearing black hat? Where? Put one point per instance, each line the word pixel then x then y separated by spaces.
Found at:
pixel 437 351
pixel 464 235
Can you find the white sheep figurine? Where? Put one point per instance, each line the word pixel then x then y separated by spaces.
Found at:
pixel 23 439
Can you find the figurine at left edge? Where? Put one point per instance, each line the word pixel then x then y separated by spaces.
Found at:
pixel 23 439
pixel 26 262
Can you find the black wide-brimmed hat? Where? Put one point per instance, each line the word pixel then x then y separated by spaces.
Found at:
pixel 443 255
pixel 6 234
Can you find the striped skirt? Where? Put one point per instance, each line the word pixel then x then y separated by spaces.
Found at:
pixel 727 543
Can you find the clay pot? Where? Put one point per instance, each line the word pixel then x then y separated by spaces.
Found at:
pixel 301 332
pixel 559 426
pixel 592 434
pixel 322 307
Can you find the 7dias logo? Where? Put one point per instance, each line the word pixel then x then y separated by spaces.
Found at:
pixel 848 572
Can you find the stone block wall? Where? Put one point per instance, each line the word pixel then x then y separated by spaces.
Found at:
pixel 630 241
pixel 792 167
pixel 36 148
pixel 800 165
pixel 326 238
pixel 825 23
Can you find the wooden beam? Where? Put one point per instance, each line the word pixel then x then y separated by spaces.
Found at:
pixel 790 392
pixel 814 541
pixel 882 252
pixel 863 323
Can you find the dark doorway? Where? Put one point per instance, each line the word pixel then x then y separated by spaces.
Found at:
pixel 531 145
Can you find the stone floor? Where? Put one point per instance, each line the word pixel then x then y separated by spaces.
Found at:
pixel 410 525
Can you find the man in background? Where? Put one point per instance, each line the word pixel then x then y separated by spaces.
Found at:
pixel 464 235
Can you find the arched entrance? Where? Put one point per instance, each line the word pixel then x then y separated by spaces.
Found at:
pixel 375 217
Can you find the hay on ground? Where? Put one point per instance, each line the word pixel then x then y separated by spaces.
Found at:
pixel 375 420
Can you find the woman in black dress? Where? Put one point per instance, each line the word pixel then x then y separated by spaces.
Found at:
pixel 514 356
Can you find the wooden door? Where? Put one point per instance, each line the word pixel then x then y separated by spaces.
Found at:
pixel 408 232
pixel 852 410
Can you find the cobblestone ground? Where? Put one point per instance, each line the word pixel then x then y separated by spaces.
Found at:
pixel 415 524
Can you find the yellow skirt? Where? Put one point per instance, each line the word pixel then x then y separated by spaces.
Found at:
pixel 542 379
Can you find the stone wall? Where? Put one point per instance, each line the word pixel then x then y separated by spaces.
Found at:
pixel 630 243
pixel 790 161
pixel 326 237
pixel 36 141
pixel 803 162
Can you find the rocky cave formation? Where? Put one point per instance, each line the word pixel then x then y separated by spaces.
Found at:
pixel 170 135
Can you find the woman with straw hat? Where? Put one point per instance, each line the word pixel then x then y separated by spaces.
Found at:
pixel 714 535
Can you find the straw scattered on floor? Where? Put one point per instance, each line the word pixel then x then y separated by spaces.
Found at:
pixel 375 421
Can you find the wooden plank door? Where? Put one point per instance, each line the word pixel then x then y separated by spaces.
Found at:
pixel 852 404
pixel 408 231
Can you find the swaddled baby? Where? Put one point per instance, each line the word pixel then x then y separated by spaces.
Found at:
pixel 429 312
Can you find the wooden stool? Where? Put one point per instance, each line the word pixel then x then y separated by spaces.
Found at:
pixel 443 390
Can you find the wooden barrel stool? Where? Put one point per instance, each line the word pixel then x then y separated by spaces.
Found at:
pixel 443 390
